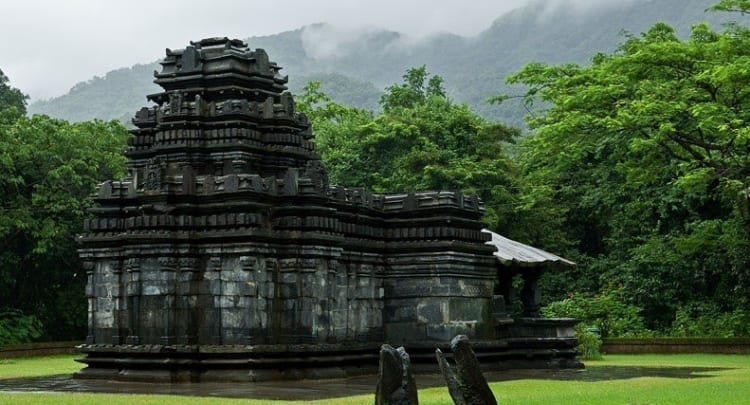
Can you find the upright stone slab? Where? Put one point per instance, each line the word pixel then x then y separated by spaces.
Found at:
pixel 396 384
pixel 471 381
pixel 454 388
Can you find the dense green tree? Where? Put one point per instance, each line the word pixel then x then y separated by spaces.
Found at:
pixel 344 90
pixel 741 6
pixel 12 100
pixel 418 87
pixel 640 165
pixel 339 130
pixel 48 170
pixel 421 141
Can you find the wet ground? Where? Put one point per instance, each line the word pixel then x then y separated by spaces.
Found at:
pixel 321 389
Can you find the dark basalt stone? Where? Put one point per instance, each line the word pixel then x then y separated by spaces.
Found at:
pixel 471 381
pixel 396 384
pixel 454 388
pixel 226 233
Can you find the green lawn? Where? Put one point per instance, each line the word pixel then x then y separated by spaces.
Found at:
pixel 39 366
pixel 618 379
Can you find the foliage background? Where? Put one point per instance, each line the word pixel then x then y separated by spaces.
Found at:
pixel 637 168
pixel 48 170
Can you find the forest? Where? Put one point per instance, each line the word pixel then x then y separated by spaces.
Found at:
pixel 635 165
pixel 355 70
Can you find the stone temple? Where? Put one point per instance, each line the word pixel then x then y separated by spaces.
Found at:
pixel 227 255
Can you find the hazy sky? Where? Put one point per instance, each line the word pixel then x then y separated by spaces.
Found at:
pixel 47 46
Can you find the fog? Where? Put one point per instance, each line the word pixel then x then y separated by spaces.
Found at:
pixel 50 45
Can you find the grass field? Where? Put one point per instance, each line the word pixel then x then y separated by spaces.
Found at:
pixel 618 379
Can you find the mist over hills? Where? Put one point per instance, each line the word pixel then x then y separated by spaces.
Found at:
pixel 354 66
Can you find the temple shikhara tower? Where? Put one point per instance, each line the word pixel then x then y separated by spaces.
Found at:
pixel 226 254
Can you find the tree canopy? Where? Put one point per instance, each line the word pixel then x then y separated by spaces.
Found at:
pixel 639 168
pixel 421 141
pixel 48 170
pixel 12 100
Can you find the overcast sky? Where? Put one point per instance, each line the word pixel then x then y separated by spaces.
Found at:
pixel 47 46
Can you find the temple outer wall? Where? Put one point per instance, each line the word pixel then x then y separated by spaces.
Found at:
pixel 444 294
pixel 226 254
pixel 232 295
pixel 244 294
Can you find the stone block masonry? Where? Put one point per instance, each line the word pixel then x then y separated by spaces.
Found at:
pixel 225 253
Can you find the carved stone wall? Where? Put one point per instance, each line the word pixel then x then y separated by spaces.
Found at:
pixel 226 232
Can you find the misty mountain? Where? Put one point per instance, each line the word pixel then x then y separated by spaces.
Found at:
pixel 354 66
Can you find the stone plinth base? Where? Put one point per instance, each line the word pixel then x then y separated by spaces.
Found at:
pixel 549 353
pixel 227 363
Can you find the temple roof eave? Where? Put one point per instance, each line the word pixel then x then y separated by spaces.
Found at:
pixel 513 253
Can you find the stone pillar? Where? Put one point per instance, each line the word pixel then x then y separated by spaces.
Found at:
pixel 88 266
pixel 504 285
pixel 530 294
pixel 275 303
pixel 121 307
pixel 214 312
pixel 259 327
pixel 168 288
pixel 188 313
pixel 133 291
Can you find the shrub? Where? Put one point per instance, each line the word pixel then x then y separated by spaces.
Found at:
pixel 15 327
pixel 707 320
pixel 607 312
pixel 589 343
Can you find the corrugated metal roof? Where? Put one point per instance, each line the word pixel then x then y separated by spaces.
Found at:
pixel 510 252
